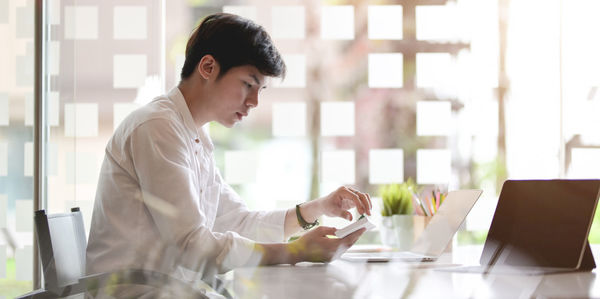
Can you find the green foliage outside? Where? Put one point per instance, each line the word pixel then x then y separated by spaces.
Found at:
pixel 594 236
pixel 10 287
pixel 398 198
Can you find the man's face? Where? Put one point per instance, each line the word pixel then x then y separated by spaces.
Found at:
pixel 235 93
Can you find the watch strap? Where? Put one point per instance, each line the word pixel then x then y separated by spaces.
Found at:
pixel 303 223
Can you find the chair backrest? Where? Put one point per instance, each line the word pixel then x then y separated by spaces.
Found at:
pixel 61 240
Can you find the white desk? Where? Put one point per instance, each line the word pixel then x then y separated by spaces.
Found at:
pixel 341 279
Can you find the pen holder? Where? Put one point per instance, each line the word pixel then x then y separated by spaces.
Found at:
pixel 401 231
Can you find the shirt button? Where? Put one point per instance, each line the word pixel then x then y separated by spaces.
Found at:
pixel 197 140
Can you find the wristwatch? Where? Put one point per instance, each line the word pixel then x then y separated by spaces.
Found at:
pixel 303 223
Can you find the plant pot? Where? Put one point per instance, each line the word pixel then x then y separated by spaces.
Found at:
pixel 401 231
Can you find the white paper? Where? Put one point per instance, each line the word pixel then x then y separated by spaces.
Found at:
pixel 129 71
pixel 240 167
pixel 289 119
pixel 24 215
pixel 386 70
pixel 130 22
pixel 121 111
pixel 87 208
pixel 385 22
pixel 81 120
pixel 386 166
pixel 295 73
pixel 433 166
pixel 28 159
pixel 337 22
pixel 337 167
pixel 3 158
pixel 24 263
pixel 81 22
pixel 246 11
pixel 337 119
pixel 4 110
pixel 434 118
pixel 287 22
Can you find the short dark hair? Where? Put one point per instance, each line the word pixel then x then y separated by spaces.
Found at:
pixel 233 41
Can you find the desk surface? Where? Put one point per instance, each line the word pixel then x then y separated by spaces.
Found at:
pixel 341 279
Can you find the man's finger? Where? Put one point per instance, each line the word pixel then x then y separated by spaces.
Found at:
pixel 363 199
pixel 360 207
pixel 350 239
pixel 325 230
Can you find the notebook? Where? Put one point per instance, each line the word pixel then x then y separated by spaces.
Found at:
pixel 539 227
pixel 435 237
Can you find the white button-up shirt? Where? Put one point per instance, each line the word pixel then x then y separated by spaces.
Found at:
pixel 162 205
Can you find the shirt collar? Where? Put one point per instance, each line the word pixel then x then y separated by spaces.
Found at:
pixel 176 96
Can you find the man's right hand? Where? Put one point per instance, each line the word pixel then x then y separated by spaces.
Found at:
pixel 316 246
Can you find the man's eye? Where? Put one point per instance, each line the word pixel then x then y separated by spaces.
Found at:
pixel 248 85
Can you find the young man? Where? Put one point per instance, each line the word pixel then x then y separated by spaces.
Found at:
pixel 161 203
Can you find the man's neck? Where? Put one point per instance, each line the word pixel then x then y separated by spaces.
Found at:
pixel 192 95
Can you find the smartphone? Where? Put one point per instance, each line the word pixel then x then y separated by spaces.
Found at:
pixel 362 221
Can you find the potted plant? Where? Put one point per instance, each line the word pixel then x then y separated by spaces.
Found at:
pixel 400 226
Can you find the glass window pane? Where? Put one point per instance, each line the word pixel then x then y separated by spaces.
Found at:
pixel 385 22
pixel 81 22
pixel 337 119
pixel 337 22
pixel 433 166
pixel 287 22
pixel 337 167
pixel 386 166
pixel 289 119
pixel 385 70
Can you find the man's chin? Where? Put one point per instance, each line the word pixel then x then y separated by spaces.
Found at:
pixel 228 124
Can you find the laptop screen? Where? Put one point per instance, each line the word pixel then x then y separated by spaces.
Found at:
pixel 543 223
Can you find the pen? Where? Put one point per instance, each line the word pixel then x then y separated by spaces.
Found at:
pixel 418 200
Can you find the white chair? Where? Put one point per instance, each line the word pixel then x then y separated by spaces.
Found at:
pixel 62 243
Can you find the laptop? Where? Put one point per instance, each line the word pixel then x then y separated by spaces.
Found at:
pixel 435 237
pixel 540 227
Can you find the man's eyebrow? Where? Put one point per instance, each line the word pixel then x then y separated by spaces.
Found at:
pixel 255 78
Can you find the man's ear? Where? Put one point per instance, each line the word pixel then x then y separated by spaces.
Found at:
pixel 208 67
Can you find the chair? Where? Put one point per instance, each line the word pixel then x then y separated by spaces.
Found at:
pixel 62 244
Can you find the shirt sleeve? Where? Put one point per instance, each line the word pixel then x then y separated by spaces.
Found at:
pixel 162 164
pixel 233 215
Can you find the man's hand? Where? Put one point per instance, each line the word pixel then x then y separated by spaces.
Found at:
pixel 315 246
pixel 338 202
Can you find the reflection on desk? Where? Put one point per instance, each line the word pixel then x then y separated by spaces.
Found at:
pixel 341 279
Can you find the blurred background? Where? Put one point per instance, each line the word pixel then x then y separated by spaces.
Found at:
pixel 452 94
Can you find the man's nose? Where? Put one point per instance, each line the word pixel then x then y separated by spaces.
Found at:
pixel 252 99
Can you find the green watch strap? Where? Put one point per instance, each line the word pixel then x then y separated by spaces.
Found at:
pixel 303 223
